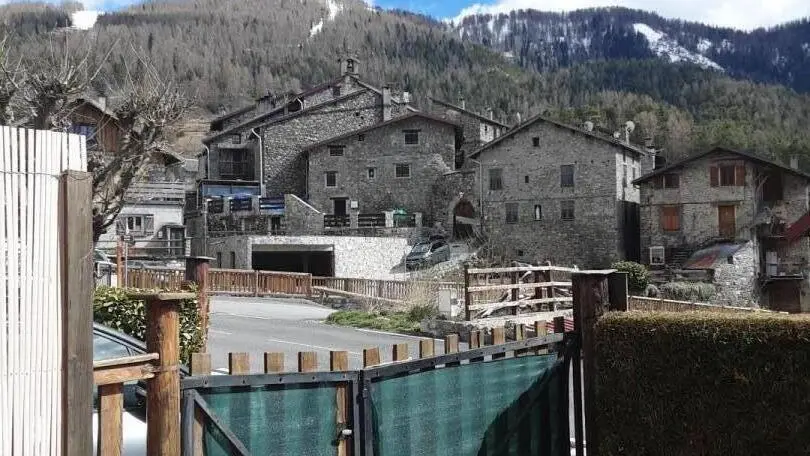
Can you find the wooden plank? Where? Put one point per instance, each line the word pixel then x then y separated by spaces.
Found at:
pixel 559 325
pixel 467 297
pixel 512 286
pixel 273 362
pixel 163 391
pixel 120 374
pixel 371 357
pixel 498 338
pixel 476 341
pixel 123 361
pixel 540 330
pixel 400 352
pixel 451 346
pixel 339 362
pixel 427 348
pixel 349 294
pixel 238 363
pixel 200 365
pixel 591 300
pixel 197 269
pixel 307 361
pixel 77 280
pixel 520 269
pixel 525 302
pixel 520 335
pixel 110 418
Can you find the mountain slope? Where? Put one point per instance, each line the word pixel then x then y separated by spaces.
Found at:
pixel 225 54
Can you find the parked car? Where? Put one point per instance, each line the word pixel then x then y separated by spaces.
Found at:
pixel 427 253
pixel 108 344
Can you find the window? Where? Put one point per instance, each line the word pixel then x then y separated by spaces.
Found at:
pixel 219 259
pixel 536 141
pixel 520 253
pixel 361 137
pixel 235 164
pixel 657 255
pixel 335 91
pixel 525 179
pixel 511 213
pixel 140 225
pixel 567 210
pixel 336 151
pixel 88 131
pixel 331 178
pixel 671 218
pixel 672 180
pixel 403 170
pixel 486 129
pixel 350 66
pixel 233 260
pixel 236 139
pixel 727 175
pixel 567 175
pixel 496 179
pixel 370 172
pixel 411 136
pixel 538 212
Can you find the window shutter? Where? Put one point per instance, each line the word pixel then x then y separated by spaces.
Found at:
pixel 739 178
pixel 658 181
pixel 714 176
pixel 149 224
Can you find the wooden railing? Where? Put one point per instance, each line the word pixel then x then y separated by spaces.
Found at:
pixel 670 305
pixel 532 288
pixel 165 279
pixel 397 290
pixel 258 283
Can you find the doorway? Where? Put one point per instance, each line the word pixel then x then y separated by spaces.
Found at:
pixel 339 206
pixel 463 220
pixel 726 221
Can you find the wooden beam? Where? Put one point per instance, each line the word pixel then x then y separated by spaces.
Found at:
pixel 427 348
pixel 513 286
pixel 200 365
pixel 238 363
pixel 339 362
pixel 371 357
pixel 110 416
pixel 120 374
pixel 197 269
pixel 400 352
pixel 273 362
pixel 307 361
pixel 520 269
pixel 498 338
pixel 76 243
pixel 524 302
pixel 540 330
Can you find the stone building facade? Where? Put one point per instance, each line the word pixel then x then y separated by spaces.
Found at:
pixel 552 192
pixel 390 165
pixel 724 195
pixel 477 129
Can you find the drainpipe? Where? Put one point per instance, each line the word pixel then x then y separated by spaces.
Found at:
pixel 481 192
pixel 261 161
pixel 207 161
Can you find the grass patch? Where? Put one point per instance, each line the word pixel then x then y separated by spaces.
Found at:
pixel 405 322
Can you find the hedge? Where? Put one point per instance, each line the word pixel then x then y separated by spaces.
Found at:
pixel 114 307
pixel 638 277
pixel 703 384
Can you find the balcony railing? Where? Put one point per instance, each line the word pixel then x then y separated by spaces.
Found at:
pixel 336 221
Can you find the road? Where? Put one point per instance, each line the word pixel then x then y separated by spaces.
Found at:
pixel 258 325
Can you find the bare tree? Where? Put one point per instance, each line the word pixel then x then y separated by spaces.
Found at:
pixel 42 93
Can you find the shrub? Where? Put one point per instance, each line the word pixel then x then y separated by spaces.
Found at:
pixel 702 384
pixel 114 307
pixel 688 291
pixel 638 277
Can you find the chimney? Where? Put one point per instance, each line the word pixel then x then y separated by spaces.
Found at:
pixel 517 118
pixel 102 102
pixel 794 161
pixel 462 103
pixel 386 101
pixel 490 114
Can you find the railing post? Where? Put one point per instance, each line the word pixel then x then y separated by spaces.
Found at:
pixel 163 391
pixel 197 269
pixel 256 283
pixel 591 301
pixel 466 292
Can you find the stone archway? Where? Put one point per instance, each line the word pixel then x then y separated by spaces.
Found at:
pixel 463 218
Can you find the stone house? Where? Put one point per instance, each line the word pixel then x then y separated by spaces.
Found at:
pixel 390 165
pixel 554 192
pixel 727 197
pixel 477 129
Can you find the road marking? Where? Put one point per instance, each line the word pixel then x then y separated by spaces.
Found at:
pixel 222 370
pixel 313 346
pixel 217 331
pixel 375 331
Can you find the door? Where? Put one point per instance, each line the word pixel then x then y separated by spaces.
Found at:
pixel 726 221
pixel 339 206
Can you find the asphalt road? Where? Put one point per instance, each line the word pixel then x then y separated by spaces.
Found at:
pixel 258 325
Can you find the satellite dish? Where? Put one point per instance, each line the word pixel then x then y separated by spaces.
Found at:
pixel 629 126
pixel 588 125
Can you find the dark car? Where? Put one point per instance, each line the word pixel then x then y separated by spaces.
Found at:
pixel 427 253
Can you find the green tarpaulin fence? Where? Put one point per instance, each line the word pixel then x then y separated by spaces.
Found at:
pixel 515 406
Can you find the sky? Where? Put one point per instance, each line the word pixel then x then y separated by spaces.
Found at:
pixel 740 14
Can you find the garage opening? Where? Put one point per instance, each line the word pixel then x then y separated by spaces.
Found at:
pixel 316 260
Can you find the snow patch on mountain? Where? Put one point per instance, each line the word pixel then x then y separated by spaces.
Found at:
pixel 333 8
pixel 666 47
pixel 704 45
pixel 806 48
pixel 84 20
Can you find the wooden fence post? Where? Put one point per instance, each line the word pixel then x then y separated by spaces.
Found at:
pixel 617 286
pixel 163 391
pixel 591 298
pixel 339 362
pixel 200 365
pixel 466 292
pixel 76 239
pixel 197 271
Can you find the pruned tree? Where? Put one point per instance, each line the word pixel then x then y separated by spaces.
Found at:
pixel 43 92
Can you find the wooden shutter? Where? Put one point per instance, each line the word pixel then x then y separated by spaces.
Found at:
pixel 739 175
pixel 714 176
pixel 670 218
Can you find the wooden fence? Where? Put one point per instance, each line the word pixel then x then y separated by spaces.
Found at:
pixel 165 279
pixel 392 290
pixel 670 305
pixel 520 289
pixel 258 283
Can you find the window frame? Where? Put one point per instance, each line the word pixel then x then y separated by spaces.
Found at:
pixel 563 181
pixel 670 218
pixel 336 91
pixel 669 183
pixel 398 175
pixel 564 209
pixel 371 172
pixel 81 128
pixel 538 212
pixel 656 249
pixel 535 141
pixel 512 216
pixel 495 177
pixel 336 150
pixel 411 134
pixel 236 164
pixel 326 179
pixel 145 221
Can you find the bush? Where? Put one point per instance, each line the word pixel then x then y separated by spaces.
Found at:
pixel 702 384
pixel 688 291
pixel 638 277
pixel 406 322
pixel 114 307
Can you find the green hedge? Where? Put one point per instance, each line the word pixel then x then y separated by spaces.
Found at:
pixel 638 277
pixel 115 308
pixel 703 384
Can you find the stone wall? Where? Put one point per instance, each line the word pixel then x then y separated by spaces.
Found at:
pixel 737 282
pixel 284 165
pixel 531 176
pixel 453 188
pixel 300 217
pixel 381 150
pixel 475 135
